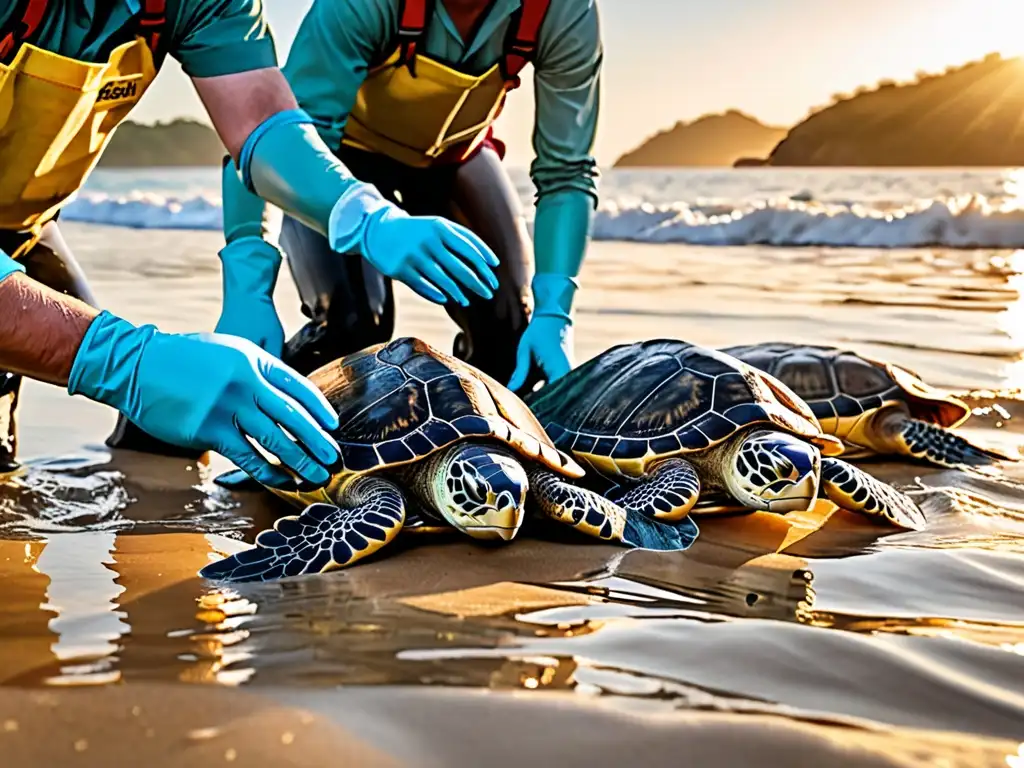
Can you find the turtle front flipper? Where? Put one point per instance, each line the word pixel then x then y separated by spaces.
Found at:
pixel 854 490
pixel 668 492
pixel 594 515
pixel 323 538
pixel 938 445
pixel 237 480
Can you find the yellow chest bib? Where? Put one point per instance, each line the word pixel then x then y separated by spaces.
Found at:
pixel 56 116
pixel 415 109
pixel 416 119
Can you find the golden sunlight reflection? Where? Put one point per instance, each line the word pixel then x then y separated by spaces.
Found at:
pixel 165 601
pixel 121 608
pixel 223 612
pixel 535 672
pixel 83 593
pixel 24 619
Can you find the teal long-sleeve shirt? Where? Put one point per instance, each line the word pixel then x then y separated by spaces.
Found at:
pixel 209 37
pixel 339 40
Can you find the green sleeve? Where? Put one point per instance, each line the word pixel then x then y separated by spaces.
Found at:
pixel 222 37
pixel 567 83
pixel 330 56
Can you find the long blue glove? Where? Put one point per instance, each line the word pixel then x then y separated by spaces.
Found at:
pixel 8 266
pixel 548 339
pixel 560 241
pixel 250 268
pixel 209 392
pixel 286 163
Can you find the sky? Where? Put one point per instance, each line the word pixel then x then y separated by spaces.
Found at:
pixel 671 60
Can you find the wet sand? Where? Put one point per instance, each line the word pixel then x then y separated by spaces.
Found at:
pixel 807 640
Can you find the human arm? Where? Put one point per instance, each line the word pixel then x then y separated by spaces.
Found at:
pixel 249 268
pixel 40 329
pixel 281 157
pixel 567 87
pixel 205 392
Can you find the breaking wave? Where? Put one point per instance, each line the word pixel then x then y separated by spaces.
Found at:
pixel 969 221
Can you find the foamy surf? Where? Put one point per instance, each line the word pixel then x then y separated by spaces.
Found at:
pixel 142 210
pixel 969 221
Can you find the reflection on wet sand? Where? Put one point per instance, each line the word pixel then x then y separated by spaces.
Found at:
pixel 751 621
pixel 87 632
pixel 24 621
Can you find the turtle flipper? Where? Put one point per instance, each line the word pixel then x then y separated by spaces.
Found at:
pixel 596 516
pixel 941 446
pixel 323 538
pixel 237 480
pixel 854 490
pixel 667 493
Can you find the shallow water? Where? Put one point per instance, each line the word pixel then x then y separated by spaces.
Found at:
pixel 849 631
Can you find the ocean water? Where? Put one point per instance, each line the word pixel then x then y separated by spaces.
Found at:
pixel 889 208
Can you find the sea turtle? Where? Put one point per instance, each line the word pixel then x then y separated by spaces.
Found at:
pixel 423 431
pixel 875 408
pixel 662 421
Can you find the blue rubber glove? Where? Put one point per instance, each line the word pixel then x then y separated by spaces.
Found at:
pixel 431 255
pixel 560 233
pixel 250 268
pixel 286 163
pixel 242 212
pixel 547 340
pixel 8 266
pixel 209 392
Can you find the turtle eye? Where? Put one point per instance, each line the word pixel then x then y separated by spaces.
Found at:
pixel 474 488
pixel 504 500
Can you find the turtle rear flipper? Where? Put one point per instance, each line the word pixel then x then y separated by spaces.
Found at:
pixel 938 445
pixel 854 490
pixel 323 538
pixel 596 516
pixel 667 493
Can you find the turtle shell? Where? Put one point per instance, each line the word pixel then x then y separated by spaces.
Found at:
pixel 399 402
pixel 636 403
pixel 841 386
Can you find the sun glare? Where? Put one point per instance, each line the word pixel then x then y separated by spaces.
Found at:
pixel 1002 24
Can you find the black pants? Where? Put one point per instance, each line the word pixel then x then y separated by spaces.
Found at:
pixel 351 305
pixel 51 262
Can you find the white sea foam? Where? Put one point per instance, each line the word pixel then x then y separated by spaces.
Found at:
pixel 965 221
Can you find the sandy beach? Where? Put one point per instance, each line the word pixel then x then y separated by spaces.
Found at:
pixel 811 640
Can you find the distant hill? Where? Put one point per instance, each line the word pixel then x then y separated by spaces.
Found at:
pixel 711 140
pixel 970 115
pixel 177 143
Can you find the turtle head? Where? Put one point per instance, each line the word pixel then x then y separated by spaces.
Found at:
pixel 774 471
pixel 481 490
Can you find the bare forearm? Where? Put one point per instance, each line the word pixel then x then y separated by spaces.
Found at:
pixel 237 104
pixel 40 329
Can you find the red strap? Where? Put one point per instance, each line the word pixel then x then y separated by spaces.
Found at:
pixel 412 23
pixel 152 21
pixel 521 41
pixel 16 31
